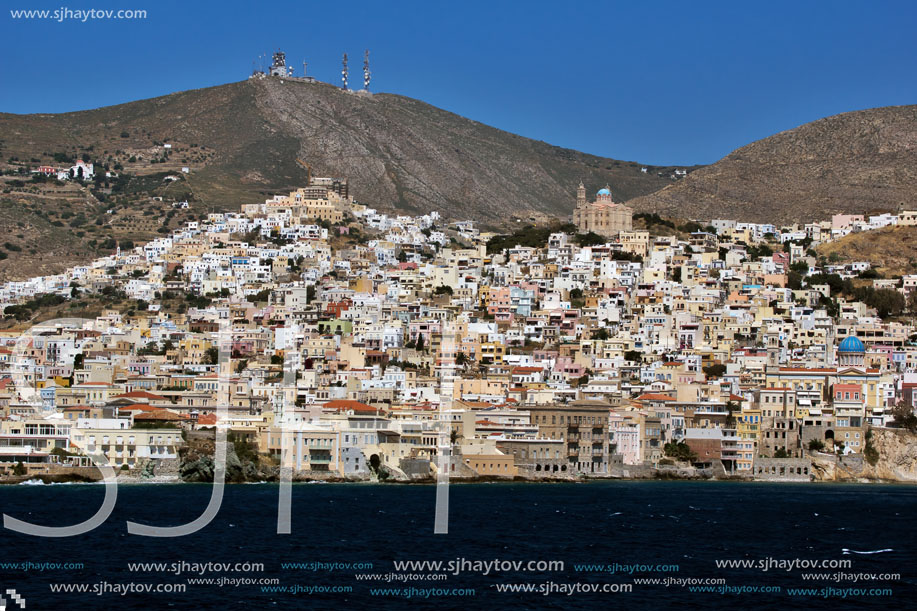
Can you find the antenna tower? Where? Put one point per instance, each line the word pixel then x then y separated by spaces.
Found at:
pixel 344 73
pixel 366 73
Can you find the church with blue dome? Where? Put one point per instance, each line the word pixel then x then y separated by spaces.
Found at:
pixel 602 216
pixel 851 352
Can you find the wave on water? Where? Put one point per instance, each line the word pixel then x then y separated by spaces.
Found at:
pixel 847 552
pixel 38 482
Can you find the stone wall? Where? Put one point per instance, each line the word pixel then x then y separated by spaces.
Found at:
pixel 783 469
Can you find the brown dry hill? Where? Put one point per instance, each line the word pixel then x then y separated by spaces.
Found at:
pixel 241 142
pixel 891 250
pixel 398 152
pixel 849 163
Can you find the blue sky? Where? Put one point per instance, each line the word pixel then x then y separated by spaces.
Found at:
pixel 656 82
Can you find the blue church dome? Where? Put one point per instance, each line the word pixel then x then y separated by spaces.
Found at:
pixel 604 192
pixel 851 344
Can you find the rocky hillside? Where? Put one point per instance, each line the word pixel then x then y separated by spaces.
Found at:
pixel 891 251
pixel 241 142
pixel 896 460
pixel 850 163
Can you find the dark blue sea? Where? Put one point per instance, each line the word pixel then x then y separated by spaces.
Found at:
pixel 630 545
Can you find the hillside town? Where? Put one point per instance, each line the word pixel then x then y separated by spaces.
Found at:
pixel 357 344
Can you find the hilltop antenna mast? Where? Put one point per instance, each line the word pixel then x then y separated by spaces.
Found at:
pixel 344 73
pixel 366 73
pixel 304 64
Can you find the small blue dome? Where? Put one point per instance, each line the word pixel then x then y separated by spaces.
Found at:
pixel 604 192
pixel 851 344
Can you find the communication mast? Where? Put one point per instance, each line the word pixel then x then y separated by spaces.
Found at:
pixel 344 73
pixel 279 65
pixel 366 73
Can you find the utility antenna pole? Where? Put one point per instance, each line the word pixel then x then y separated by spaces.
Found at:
pixel 366 73
pixel 304 64
pixel 344 73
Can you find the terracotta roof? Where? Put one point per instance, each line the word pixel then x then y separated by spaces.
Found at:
pixel 140 407
pixel 527 369
pixel 160 414
pixel 655 397
pixel 138 394
pixel 342 405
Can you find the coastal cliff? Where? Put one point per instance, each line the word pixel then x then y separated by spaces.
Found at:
pixel 895 460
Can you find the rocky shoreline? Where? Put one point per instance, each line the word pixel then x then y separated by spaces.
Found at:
pixel 895 463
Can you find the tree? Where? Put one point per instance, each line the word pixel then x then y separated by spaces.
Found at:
pixel 419 343
pixel 461 359
pixel 887 302
pixel 903 417
pixel 212 356
pixel 589 239
pixel 816 445
pixel 781 453
pixel 19 469
pixel 870 453
pixel 442 290
pixel 731 408
pixel 715 371
pixel 679 451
